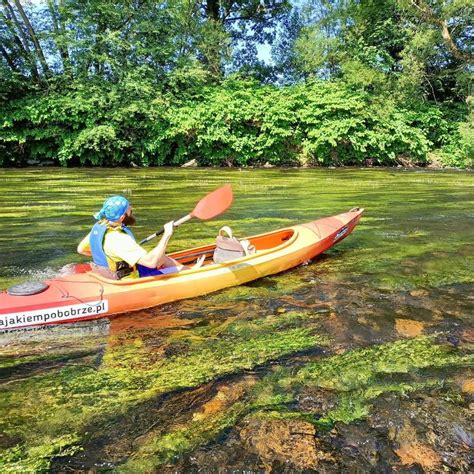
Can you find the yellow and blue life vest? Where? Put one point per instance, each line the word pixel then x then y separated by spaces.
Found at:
pixel 96 241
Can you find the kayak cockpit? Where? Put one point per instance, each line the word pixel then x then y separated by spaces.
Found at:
pixel 264 243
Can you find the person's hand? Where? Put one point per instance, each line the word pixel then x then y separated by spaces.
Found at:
pixel 169 229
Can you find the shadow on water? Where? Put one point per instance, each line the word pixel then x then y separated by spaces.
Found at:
pixel 360 361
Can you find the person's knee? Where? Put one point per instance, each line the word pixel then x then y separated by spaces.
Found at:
pixel 167 262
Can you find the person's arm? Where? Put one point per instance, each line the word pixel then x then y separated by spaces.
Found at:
pixel 84 247
pixel 155 256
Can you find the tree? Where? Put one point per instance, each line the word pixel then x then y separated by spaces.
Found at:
pixel 412 48
pixel 440 45
pixel 16 44
pixel 284 52
pixel 452 18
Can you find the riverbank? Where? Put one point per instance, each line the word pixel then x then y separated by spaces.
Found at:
pixel 236 123
pixel 434 166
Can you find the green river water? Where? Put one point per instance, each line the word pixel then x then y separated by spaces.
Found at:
pixel 360 361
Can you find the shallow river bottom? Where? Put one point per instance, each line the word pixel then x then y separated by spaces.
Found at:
pixel 359 361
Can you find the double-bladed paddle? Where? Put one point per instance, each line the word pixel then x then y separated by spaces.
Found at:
pixel 209 206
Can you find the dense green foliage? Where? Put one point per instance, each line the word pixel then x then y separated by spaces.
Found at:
pixel 237 123
pixel 154 83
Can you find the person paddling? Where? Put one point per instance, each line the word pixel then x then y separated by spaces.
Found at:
pixel 114 250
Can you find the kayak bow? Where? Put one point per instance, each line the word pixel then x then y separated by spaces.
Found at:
pixel 86 295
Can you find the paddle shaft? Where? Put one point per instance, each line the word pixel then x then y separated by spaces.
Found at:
pixel 209 206
pixel 159 232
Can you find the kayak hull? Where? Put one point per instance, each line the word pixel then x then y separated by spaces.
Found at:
pixel 86 295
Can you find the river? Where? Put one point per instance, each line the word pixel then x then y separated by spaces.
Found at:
pixel 359 361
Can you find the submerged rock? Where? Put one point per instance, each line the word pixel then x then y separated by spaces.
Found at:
pixel 409 327
pixel 190 164
pixel 286 441
pixel 426 431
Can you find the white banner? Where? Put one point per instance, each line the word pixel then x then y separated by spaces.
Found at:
pixel 48 315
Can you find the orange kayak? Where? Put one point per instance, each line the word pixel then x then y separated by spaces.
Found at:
pixel 86 295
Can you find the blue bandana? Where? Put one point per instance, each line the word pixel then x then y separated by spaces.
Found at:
pixel 113 209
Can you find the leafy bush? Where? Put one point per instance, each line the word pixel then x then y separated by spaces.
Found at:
pixel 237 123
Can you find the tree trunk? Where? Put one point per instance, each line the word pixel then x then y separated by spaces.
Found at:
pixel 457 53
pixel 8 59
pixel 212 9
pixel 31 31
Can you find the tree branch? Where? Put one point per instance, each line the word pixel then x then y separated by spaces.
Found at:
pixel 10 18
pixel 427 14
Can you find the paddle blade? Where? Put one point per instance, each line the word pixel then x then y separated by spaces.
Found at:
pixel 214 203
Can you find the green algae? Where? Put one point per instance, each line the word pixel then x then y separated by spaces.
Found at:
pixel 113 388
pixel 244 327
pixel 181 440
pixel 275 396
pixel 359 368
pixel 270 288
pixel 37 458
pixel 356 405
pixel 7 364
pixel 275 391
pixel 351 406
pixel 68 399
pixel 356 378
pixel 90 394
pixel 227 357
pixel 356 375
